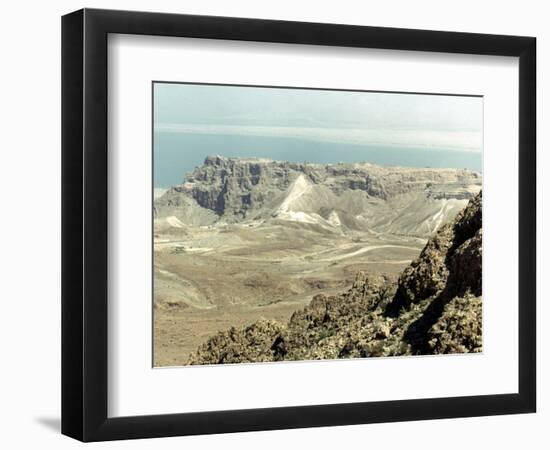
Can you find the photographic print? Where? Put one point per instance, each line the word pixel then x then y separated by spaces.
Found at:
pixel 306 224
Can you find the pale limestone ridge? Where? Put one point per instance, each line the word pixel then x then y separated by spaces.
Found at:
pixel 355 196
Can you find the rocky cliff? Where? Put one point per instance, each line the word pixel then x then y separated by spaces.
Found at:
pixel 355 196
pixel 434 307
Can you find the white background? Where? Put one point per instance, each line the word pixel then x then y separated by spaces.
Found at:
pixel 30 177
pixel 137 388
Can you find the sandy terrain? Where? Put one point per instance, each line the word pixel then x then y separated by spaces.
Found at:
pixel 212 277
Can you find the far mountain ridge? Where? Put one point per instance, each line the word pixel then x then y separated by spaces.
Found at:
pixel 343 196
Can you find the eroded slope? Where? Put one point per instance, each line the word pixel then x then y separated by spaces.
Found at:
pixel 434 307
pixel 356 197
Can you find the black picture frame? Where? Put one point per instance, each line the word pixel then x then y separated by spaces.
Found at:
pixel 84 224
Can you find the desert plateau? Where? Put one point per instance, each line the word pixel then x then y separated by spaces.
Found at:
pixel 257 244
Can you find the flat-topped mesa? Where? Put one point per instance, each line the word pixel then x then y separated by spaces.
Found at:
pixel 219 160
pixel 214 160
pixel 246 188
pixel 233 186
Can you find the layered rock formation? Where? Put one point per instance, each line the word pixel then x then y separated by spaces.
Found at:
pixel 360 196
pixel 434 307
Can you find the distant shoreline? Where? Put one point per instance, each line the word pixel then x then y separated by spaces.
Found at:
pixel 176 155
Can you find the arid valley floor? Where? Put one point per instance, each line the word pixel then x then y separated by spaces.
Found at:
pixel 241 274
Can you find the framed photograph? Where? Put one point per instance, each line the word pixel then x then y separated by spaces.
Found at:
pixel 272 224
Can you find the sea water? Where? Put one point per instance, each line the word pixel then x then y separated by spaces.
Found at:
pixel 177 154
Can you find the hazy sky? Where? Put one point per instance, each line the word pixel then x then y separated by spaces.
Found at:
pixel 317 126
pixel 428 121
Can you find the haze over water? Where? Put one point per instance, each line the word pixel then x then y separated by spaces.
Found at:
pixel 316 126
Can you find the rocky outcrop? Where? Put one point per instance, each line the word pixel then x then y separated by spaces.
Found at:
pixel 434 307
pixel 178 204
pixel 251 344
pixel 232 187
pixel 235 189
